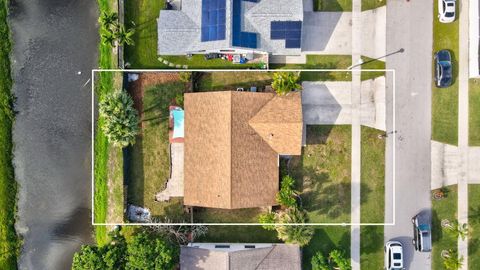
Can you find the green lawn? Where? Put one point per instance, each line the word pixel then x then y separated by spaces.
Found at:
pixel 213 81
pixel 371 247
pixel 372 176
pixel 370 63
pixel 198 62
pixel 212 215
pixel 325 240
pixel 372 207
pixel 474 223
pixel 239 234
pixel 143 14
pixel 149 160
pixel 445 208
pixel 323 173
pixel 9 242
pixel 115 186
pixel 445 100
pixel 332 5
pixel 322 62
pixel 474 112
pixel 371 4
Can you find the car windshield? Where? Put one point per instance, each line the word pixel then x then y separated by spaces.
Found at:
pixel 397 256
pixel 449 14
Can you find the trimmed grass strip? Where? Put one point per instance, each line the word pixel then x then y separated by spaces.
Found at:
pixel 474 112
pixel 445 208
pixel 9 240
pixel 474 223
pixel 445 100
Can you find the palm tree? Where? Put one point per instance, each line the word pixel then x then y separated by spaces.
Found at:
pixel 108 20
pixel 285 82
pixel 458 230
pixel 300 235
pixel 120 119
pixel 108 38
pixel 124 36
pixel 452 261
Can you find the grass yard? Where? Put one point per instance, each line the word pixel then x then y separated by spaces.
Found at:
pixel 371 247
pixel 332 5
pixel 212 81
pixel 371 4
pixel 115 186
pixel 474 112
pixel 445 208
pixel 323 173
pixel 9 241
pixel 198 62
pixel 212 215
pixel 149 161
pixel 474 223
pixel 324 240
pixel 322 62
pixel 445 100
pixel 239 234
pixel 370 63
pixel 143 14
pixel 372 208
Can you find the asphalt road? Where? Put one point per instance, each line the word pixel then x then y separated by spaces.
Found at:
pixel 409 26
pixel 53 41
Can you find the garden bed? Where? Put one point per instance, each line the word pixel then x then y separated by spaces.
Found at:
pixel 474 222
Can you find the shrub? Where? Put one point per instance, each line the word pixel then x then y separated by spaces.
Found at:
pixel 121 118
pixel 285 82
pixel 185 76
pixel 300 235
pixel 89 258
pixel 179 99
pixel 338 258
pixel 319 262
pixel 287 195
pixel 267 218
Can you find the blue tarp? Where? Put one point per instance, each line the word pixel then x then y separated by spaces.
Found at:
pixel 178 130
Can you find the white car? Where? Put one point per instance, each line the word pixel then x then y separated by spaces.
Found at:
pixel 446 11
pixel 393 255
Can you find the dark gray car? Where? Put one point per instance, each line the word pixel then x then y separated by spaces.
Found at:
pixel 443 69
pixel 422 232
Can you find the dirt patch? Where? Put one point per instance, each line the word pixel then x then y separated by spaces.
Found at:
pixel 146 79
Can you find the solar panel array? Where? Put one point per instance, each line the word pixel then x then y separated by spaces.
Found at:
pixel 290 31
pixel 213 20
pixel 240 38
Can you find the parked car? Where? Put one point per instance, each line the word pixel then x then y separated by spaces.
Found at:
pixel 210 56
pixel 393 255
pixel 443 68
pixel 446 11
pixel 422 232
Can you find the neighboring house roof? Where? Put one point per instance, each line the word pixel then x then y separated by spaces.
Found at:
pixel 180 31
pixel 231 158
pixel 275 257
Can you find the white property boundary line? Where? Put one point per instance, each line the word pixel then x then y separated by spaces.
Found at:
pixel 245 70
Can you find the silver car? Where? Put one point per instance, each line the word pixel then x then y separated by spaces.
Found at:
pixel 422 232
pixel 446 11
pixel 393 255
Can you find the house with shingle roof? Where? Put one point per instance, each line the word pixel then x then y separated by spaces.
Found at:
pixel 233 141
pixel 221 256
pixel 231 26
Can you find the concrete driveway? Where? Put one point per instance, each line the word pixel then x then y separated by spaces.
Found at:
pixel 330 103
pixel 327 33
pixel 175 183
pixel 406 22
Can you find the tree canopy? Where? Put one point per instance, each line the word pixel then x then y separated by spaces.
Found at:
pixel 121 120
pixel 285 82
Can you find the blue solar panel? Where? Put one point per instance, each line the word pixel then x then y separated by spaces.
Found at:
pixel 291 31
pixel 240 38
pixel 213 20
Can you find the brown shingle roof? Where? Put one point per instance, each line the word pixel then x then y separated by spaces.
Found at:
pixel 227 163
pixel 280 123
